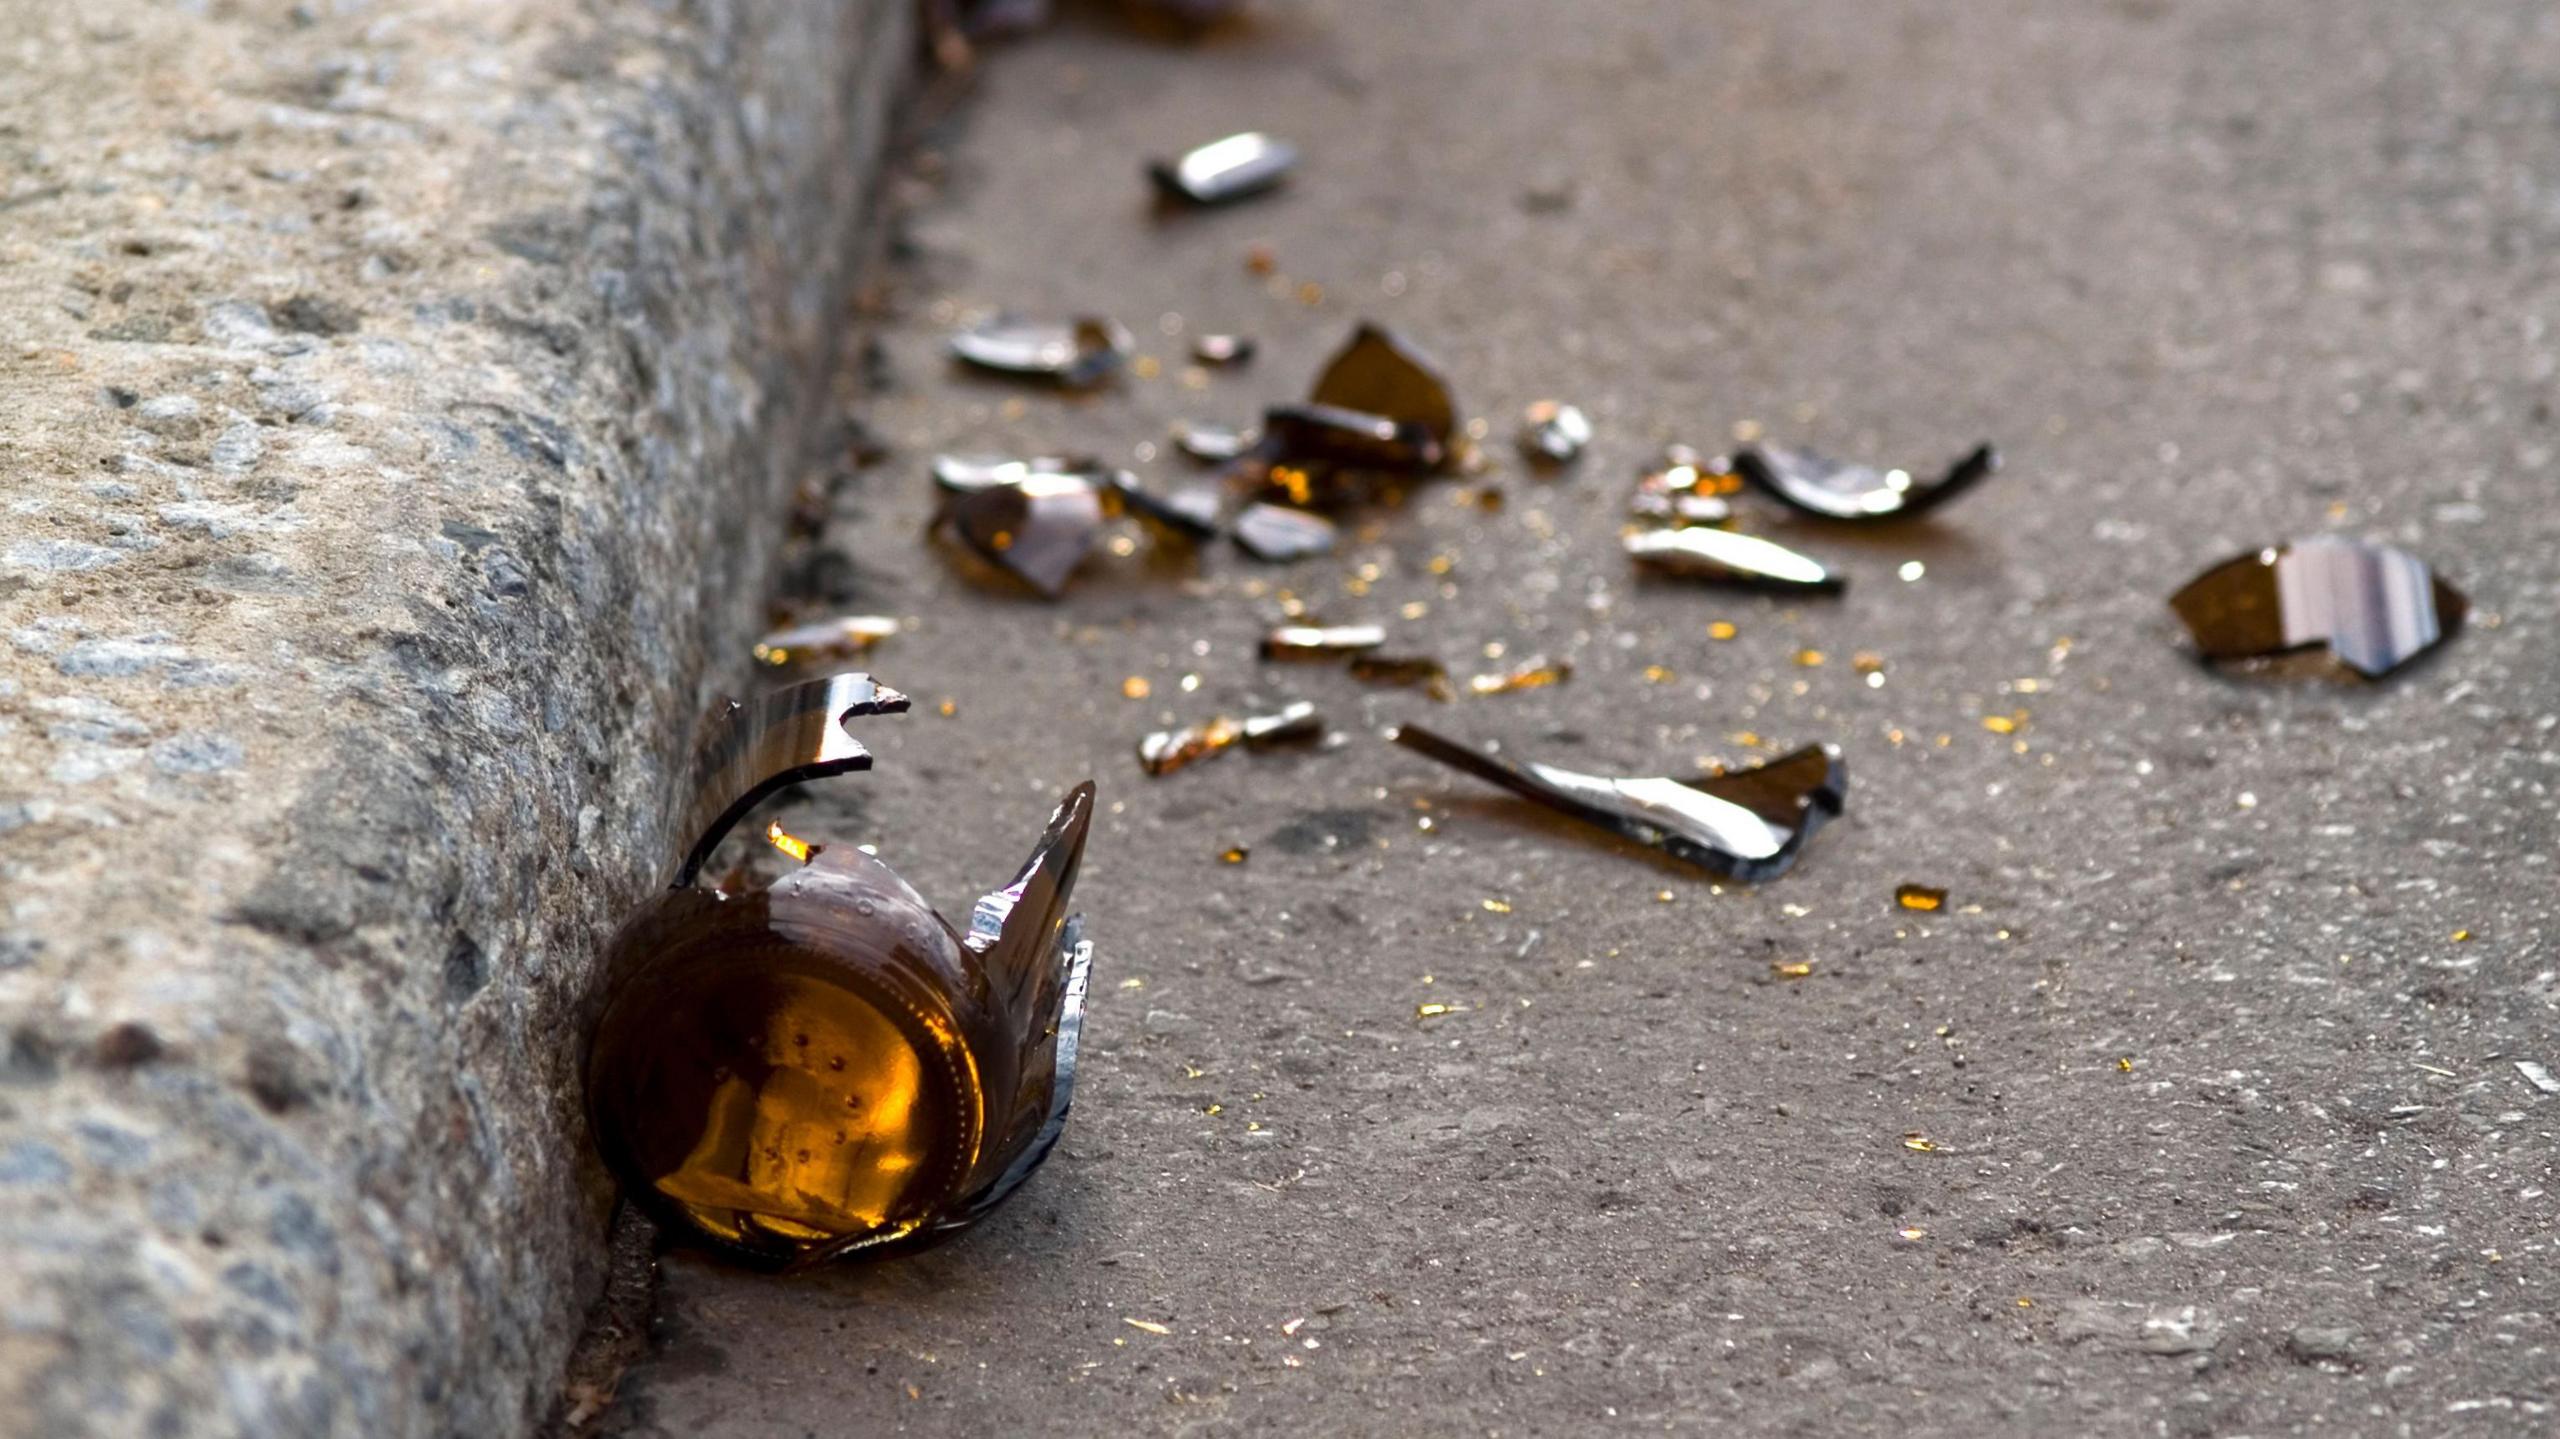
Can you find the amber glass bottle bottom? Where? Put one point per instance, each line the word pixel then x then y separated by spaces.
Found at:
pixel 780 1104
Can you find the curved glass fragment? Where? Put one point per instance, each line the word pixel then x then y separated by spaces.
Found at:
pixel 1078 354
pixel 1746 825
pixel 1228 169
pixel 2375 607
pixel 1552 433
pixel 1702 552
pixel 1276 534
pixel 1038 525
pixel 825 1066
pixel 1838 491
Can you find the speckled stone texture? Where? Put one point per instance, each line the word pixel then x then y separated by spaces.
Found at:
pixel 395 402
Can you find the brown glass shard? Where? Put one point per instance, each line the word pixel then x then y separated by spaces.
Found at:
pixel 1165 751
pixel 1409 671
pixel 825 1066
pixel 1078 354
pixel 1536 674
pixel 2375 607
pixel 1214 444
pixel 1276 534
pixel 958 474
pixel 1294 642
pixel 1226 170
pixel 1702 552
pixel 1189 513
pixel 1747 825
pixel 1685 489
pixel 1355 439
pixel 1838 491
pixel 1924 898
pixel 1222 349
pixel 1379 374
pixel 1554 434
pixel 1038 527
pixel 835 639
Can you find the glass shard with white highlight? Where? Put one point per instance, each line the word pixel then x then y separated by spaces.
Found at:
pixel 1746 825
pixel 1038 525
pixel 1838 491
pixel 1276 534
pixel 1227 170
pixel 1553 433
pixel 1702 552
pixel 1078 354
pixel 2375 607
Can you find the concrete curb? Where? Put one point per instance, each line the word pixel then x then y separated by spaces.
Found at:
pixel 392 402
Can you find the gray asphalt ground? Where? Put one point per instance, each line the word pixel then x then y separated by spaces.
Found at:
pixel 2224 1132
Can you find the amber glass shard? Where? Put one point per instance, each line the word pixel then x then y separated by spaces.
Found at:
pixel 1191 513
pixel 748 750
pixel 1748 825
pixel 1277 535
pixel 1332 435
pixel 959 474
pixel 1226 170
pixel 1078 354
pixel 1704 553
pixel 1214 444
pixel 835 639
pixel 1039 527
pixel 1379 374
pixel 1165 751
pixel 1924 898
pixel 1410 671
pixel 824 1066
pixel 1222 349
pixel 1840 491
pixel 1291 642
pixel 1554 434
pixel 2375 607
pixel 1685 490
pixel 1536 674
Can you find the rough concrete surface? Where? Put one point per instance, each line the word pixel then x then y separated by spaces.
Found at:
pixel 2229 1136
pixel 397 404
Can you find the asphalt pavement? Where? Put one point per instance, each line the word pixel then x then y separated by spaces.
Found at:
pixel 2196 1110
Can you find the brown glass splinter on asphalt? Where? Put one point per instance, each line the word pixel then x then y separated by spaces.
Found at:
pixel 834 639
pixel 1747 825
pixel 826 1066
pixel 1702 552
pixel 1536 674
pixel 1276 534
pixel 1686 489
pixel 1412 671
pixel 1838 491
pixel 1222 349
pixel 1165 751
pixel 1078 354
pixel 2375 607
pixel 1379 374
pixel 1554 434
pixel 1321 642
pixel 1920 897
pixel 1038 525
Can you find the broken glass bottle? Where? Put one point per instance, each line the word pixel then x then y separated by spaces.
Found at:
pixel 1226 170
pixel 825 1066
pixel 2375 607
pixel 1079 354
pixel 1746 825
pixel 1838 491
pixel 1702 552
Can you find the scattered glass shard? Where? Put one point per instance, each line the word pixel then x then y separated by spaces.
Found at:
pixel 1190 512
pixel 1228 169
pixel 958 474
pixel 1553 433
pixel 1536 674
pixel 1410 671
pixel 1745 825
pixel 1165 751
pixel 833 639
pixel 1222 349
pixel 825 1066
pixel 1703 552
pixel 1321 641
pixel 1686 490
pixel 1038 527
pixel 1379 374
pixel 1276 534
pixel 2375 607
pixel 1332 435
pixel 1214 444
pixel 1920 897
pixel 1838 491
pixel 1079 354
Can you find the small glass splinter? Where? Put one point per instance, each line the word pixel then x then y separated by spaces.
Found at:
pixel 1078 354
pixel 824 640
pixel 1553 433
pixel 1321 642
pixel 1746 825
pixel 1276 534
pixel 1839 491
pixel 1536 674
pixel 1165 751
pixel 826 1066
pixel 1686 490
pixel 1225 170
pixel 1701 552
pixel 1411 671
pixel 2375 607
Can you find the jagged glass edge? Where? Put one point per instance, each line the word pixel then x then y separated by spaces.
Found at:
pixel 1075 955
